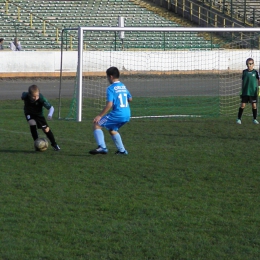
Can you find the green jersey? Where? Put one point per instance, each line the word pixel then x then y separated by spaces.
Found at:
pixel 250 82
pixel 35 107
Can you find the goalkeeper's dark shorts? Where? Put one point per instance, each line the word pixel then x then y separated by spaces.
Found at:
pixel 248 99
pixel 40 120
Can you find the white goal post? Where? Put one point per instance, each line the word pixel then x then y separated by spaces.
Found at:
pixel 81 50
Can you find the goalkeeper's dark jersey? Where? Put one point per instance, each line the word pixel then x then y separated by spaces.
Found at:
pixel 35 107
pixel 250 82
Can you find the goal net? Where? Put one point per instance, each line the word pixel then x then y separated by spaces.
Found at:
pixel 170 72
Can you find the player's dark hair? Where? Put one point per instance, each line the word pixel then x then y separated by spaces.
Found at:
pixel 113 71
pixel 32 89
pixel 249 59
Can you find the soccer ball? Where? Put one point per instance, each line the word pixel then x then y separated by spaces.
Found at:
pixel 41 144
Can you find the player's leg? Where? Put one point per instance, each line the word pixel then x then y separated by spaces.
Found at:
pixel 51 137
pixel 99 137
pixel 46 129
pixel 116 137
pixel 254 110
pixel 241 110
pixel 33 128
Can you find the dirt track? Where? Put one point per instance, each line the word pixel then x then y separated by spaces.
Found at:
pixel 138 86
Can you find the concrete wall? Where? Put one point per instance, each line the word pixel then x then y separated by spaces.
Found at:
pixel 35 63
pixel 47 63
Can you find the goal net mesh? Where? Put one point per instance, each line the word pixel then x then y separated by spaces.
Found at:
pixel 169 74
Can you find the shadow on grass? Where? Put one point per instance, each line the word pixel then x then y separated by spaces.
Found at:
pixel 17 151
pixel 63 152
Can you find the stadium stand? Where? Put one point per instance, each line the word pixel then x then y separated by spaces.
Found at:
pixel 248 12
pixel 38 25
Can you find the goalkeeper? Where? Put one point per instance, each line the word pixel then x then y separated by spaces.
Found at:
pixel 118 98
pixel 249 91
pixel 33 111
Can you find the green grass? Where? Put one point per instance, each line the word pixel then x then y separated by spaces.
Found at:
pixel 189 189
pixel 152 106
pixel 198 106
pixel 203 106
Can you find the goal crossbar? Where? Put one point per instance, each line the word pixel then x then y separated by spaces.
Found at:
pixel 172 29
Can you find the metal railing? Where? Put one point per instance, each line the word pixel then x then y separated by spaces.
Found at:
pixel 216 13
pixel 213 13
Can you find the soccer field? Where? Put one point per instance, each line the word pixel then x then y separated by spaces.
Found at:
pixel 189 189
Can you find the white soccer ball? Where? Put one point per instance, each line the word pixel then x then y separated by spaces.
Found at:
pixel 41 144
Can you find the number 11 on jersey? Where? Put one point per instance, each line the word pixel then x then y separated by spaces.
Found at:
pixel 123 100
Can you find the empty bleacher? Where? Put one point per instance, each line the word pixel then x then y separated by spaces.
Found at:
pixel 38 25
pixel 247 12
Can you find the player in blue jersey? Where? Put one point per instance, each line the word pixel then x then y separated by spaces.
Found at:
pixel 117 98
pixel 249 91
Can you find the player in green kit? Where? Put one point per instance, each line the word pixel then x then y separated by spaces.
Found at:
pixel 34 102
pixel 250 83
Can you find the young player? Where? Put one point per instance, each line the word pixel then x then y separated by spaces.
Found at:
pixel 250 83
pixel 118 98
pixel 34 102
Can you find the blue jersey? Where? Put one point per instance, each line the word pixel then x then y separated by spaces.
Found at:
pixel 118 94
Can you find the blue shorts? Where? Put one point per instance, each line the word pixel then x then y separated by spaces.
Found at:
pixel 110 123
